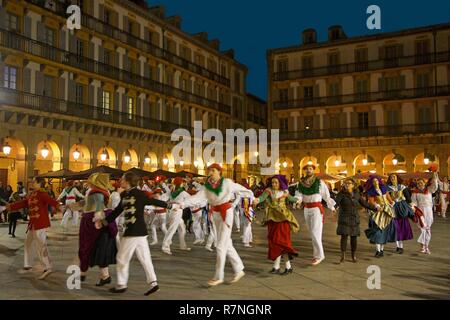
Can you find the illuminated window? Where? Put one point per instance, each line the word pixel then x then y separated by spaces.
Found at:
pixel 10 77
pixel 130 108
pixel 106 102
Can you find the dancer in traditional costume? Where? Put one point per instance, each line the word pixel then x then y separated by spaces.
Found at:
pixel 70 193
pixel 422 198
pixel 97 246
pixel 37 203
pixel 247 216
pixel 280 221
pixel 444 196
pixel 218 192
pixel 175 217
pixel 135 236
pixel 381 222
pixel 400 194
pixel 311 191
pixel 159 217
pixel 348 201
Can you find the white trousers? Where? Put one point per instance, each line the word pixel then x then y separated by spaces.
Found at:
pixel 314 222
pixel 129 245
pixel 159 220
pixel 237 218
pixel 197 225
pixel 425 235
pixel 212 236
pixel 38 239
pixel 67 214
pixel 247 235
pixel 444 204
pixel 175 222
pixel 224 246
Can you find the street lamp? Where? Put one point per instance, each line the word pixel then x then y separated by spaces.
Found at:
pixel 181 163
pixel 7 149
pixel 426 161
pixel 104 155
pixel 196 163
pixel 127 157
pixel 394 161
pixel 76 154
pixel 147 160
pixel 337 163
pixel 44 151
pixel 365 162
pixel 285 164
pixel 165 161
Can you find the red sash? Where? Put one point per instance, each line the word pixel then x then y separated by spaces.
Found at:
pixel 160 211
pixel 197 210
pixel 317 205
pixel 222 209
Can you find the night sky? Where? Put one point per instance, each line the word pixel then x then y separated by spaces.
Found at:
pixel 251 27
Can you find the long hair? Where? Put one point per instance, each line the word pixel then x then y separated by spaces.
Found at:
pixel 389 180
pixel 370 190
pixel 281 179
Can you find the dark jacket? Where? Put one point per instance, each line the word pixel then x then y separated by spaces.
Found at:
pixel 132 205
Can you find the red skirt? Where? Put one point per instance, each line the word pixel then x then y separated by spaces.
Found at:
pixel 279 236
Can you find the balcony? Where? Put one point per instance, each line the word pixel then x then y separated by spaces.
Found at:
pixel 57 106
pixel 381 131
pixel 407 61
pixel 435 91
pixel 101 27
pixel 23 44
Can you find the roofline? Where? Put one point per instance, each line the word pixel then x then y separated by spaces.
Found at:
pixel 252 96
pixel 356 39
pixel 151 17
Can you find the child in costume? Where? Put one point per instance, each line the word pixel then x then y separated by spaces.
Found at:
pixel 159 217
pixel 70 193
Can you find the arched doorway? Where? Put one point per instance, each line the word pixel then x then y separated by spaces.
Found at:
pixel 107 157
pixel 364 163
pixel 12 161
pixel 150 162
pixel 48 157
pixel 130 159
pixel 336 165
pixel 394 163
pixel 423 161
pixel 79 158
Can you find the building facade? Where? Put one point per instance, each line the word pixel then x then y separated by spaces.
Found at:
pixel 110 93
pixel 377 103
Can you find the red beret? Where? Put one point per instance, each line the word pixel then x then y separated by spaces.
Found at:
pixel 145 178
pixel 189 175
pixel 160 178
pixel 178 181
pixel 215 166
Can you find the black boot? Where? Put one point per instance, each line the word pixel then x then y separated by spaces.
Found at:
pixel 102 282
pixel 354 257
pixel 274 271
pixel 287 272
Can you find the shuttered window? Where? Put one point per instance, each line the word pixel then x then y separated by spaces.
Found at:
pixel 10 77
pixel 106 102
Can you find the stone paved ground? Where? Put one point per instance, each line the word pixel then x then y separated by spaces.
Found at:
pixel 183 276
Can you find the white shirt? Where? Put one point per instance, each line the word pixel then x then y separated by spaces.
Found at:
pixel 323 194
pixel 423 200
pixel 229 191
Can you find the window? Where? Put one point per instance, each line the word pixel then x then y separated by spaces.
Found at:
pixel 282 65
pixel 363 120
pixel 423 80
pixel 307 62
pixel 10 77
pixel 392 118
pixel 49 36
pixel 80 51
pixel 333 59
pixel 309 122
pixel 361 59
pixel 106 102
pixel 12 22
pixel 361 86
pixel 237 81
pixel 48 86
pixel 107 56
pixel 333 89
pixel 79 90
pixel 284 124
pixel 107 16
pixel 223 70
pixel 284 94
pixel 130 108
pixel 308 92
pixel 424 115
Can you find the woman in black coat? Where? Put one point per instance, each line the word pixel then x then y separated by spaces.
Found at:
pixel 348 201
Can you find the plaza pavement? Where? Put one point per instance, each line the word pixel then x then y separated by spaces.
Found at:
pixel 183 276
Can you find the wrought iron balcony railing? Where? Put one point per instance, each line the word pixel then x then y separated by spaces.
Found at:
pixel 104 28
pixel 24 44
pixel 378 131
pixel 413 93
pixel 406 61
pixel 63 107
